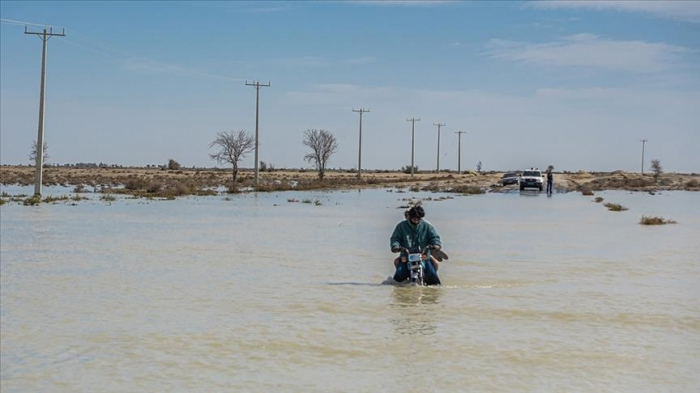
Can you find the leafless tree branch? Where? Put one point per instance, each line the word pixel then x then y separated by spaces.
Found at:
pixel 323 144
pixel 232 148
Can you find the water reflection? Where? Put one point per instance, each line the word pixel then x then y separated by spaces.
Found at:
pixel 416 310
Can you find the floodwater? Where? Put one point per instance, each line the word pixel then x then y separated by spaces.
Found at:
pixel 254 292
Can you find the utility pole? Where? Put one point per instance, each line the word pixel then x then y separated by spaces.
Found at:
pixel 644 141
pixel 413 121
pixel 359 154
pixel 257 86
pixel 44 36
pixel 438 150
pixel 459 151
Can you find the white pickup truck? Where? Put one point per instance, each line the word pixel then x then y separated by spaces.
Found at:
pixel 531 178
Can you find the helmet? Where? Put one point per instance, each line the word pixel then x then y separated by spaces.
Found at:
pixel 416 212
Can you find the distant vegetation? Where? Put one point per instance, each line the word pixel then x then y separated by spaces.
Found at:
pixel 656 169
pixel 173 165
pixel 407 169
pixel 614 207
pixel 33 151
pixel 655 221
pixel 232 148
pixel 323 145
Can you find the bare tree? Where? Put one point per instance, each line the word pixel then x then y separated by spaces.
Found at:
pixel 656 168
pixel 323 144
pixel 33 151
pixel 232 147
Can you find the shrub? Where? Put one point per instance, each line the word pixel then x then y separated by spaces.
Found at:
pixel 655 221
pixel 108 198
pixel 407 169
pixel 51 199
pixel 692 183
pixel 173 165
pixel 154 187
pixel 598 199
pixel 32 200
pixel 614 207
pixel 136 183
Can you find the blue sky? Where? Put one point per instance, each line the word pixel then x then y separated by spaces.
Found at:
pixel 575 85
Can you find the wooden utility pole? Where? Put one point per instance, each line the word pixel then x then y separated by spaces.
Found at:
pixel 438 147
pixel 44 36
pixel 359 154
pixel 413 121
pixel 459 151
pixel 257 86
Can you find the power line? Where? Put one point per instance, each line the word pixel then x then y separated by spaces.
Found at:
pixel 257 86
pixel 20 23
pixel 45 36
pixel 359 154
pixel 413 121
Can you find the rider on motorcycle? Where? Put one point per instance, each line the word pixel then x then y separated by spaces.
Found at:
pixel 415 234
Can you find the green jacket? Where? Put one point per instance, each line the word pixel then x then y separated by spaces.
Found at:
pixel 411 236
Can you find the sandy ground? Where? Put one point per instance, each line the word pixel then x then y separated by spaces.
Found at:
pixel 197 181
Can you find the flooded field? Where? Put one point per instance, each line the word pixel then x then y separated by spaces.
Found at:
pixel 282 291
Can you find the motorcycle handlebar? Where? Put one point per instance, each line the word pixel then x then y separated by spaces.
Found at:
pixel 406 250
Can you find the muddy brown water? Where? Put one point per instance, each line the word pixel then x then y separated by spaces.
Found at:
pixel 254 292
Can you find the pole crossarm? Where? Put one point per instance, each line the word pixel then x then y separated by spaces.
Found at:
pixel 46 33
pixel 359 154
pixel 257 86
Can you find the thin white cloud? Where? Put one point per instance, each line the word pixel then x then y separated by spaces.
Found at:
pixel 360 60
pixel 588 50
pixel 402 3
pixel 307 61
pixel 688 11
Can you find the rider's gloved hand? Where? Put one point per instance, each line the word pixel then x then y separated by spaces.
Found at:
pixel 395 249
pixel 436 247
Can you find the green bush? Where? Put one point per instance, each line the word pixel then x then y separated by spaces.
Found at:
pixel 32 200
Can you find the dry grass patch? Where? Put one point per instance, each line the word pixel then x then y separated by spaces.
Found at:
pixel 655 221
pixel 614 207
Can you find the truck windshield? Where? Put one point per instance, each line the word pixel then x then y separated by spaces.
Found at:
pixel 532 173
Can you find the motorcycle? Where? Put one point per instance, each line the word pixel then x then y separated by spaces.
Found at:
pixel 416 263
